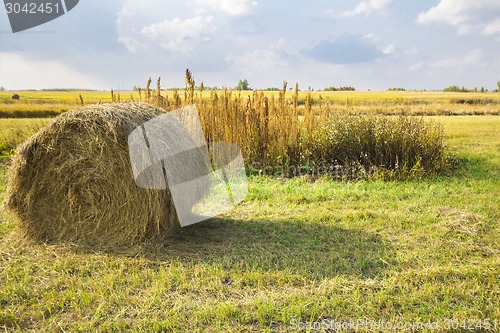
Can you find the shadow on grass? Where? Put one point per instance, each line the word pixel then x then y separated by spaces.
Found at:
pixel 476 167
pixel 313 250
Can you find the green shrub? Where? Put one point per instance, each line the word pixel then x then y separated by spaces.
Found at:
pixel 393 147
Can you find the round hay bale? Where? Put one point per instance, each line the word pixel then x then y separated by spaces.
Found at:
pixel 73 181
pixel 15 96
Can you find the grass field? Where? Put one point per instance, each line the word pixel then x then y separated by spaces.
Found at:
pixel 43 104
pixel 13 131
pixel 293 254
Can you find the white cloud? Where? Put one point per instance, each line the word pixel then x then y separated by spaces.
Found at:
pixel 389 49
pixel 416 67
pixel 230 7
pixel 177 35
pixel 264 60
pixel 259 60
pixel 451 12
pixel 346 49
pixel 492 28
pixel 367 7
pixel 472 58
pixel 371 37
pixel 19 72
pixel 131 44
pixel 328 13
pixel 467 16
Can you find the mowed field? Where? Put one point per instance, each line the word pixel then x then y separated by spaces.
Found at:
pixel 41 103
pixel 297 255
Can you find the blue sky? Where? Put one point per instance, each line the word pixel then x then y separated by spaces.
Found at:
pixel 371 44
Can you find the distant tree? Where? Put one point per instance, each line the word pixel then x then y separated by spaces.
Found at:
pixel 3 89
pixel 344 88
pixel 498 85
pixel 330 89
pixel 243 85
pixel 456 88
pixel 482 90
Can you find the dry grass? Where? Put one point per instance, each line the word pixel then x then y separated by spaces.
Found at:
pixel 275 129
pixel 288 135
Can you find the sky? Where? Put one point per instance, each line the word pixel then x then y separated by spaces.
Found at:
pixel 370 44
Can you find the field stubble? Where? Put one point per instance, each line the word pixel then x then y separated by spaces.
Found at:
pixel 296 250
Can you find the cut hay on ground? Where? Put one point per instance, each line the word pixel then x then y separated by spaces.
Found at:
pixel 72 181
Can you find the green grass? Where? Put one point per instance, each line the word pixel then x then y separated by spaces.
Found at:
pixel 294 251
pixel 16 130
pixel 42 104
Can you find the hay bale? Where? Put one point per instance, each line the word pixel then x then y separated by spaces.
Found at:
pixel 73 182
pixel 15 96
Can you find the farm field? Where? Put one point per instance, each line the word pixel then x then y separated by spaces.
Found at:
pixel 295 253
pixel 43 104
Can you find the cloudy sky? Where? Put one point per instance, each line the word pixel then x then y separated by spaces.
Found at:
pixel 370 44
